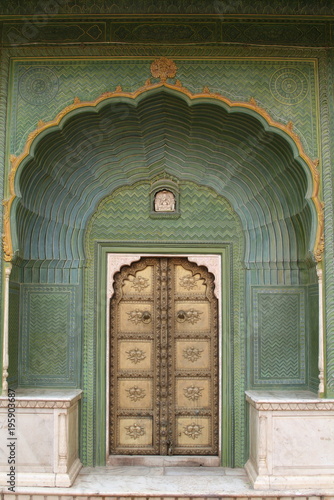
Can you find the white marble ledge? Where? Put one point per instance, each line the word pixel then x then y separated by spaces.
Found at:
pixel 100 482
pixel 43 398
pixel 288 400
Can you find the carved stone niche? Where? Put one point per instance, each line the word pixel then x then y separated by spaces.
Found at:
pixel 165 198
pixel 164 201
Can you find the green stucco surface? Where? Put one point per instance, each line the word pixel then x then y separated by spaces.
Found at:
pixel 286 89
pixel 85 187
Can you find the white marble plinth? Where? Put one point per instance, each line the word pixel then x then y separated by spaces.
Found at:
pixel 291 440
pixel 44 441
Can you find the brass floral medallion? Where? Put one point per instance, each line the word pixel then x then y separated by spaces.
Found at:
pixel 189 282
pixel 138 316
pixel 136 393
pixel 191 316
pixel 139 283
pixel 193 430
pixel 136 355
pixel 192 353
pixel 135 431
pixel 193 392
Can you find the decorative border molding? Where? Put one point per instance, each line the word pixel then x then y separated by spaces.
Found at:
pixel 297 405
pixel 292 406
pixel 69 378
pixel 28 403
pixel 117 260
pixel 257 292
pixel 33 401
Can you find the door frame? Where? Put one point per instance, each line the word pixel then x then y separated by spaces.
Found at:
pixel 222 252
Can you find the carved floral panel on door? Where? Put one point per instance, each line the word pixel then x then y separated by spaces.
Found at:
pixel 164 359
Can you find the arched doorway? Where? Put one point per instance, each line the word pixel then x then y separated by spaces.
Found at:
pixel 222 258
pixel 164 386
pixel 84 188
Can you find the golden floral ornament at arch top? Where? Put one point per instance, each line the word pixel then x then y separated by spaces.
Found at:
pixel 163 68
pixel 135 431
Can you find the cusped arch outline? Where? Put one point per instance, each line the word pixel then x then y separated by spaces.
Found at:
pixel 135 98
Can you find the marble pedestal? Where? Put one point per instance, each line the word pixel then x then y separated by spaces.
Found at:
pixel 44 441
pixel 291 440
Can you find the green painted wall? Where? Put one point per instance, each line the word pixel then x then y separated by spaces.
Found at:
pixel 286 89
pixel 275 309
pixel 50 336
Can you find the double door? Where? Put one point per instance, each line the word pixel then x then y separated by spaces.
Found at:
pixel 164 359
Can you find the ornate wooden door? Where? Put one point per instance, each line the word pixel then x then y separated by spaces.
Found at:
pixel 164 359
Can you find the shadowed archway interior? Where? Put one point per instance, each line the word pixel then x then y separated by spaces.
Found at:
pixel 96 152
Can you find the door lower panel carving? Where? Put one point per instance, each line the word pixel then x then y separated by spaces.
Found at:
pixel 164 360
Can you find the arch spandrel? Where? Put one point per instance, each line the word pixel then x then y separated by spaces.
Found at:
pixel 256 215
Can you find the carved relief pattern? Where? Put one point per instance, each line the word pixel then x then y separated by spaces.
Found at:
pixel 193 430
pixel 213 264
pixel 189 282
pixel 193 392
pixel 289 86
pixel 191 315
pixel 139 283
pixel 138 316
pixel 136 355
pixel 38 86
pixel 135 431
pixel 192 353
pixel 293 406
pixel 165 402
pixel 135 393
pixel 115 262
pixel 164 201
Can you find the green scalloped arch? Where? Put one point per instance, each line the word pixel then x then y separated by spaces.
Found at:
pixel 91 150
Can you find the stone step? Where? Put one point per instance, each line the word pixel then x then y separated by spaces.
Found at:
pixel 162 483
pixel 22 496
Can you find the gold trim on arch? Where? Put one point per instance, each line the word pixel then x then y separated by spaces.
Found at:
pixel 163 68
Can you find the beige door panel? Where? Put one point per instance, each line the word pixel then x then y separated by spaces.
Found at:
pixel 164 359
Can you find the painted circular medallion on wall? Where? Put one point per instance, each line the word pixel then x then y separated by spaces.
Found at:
pixel 289 86
pixel 38 85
